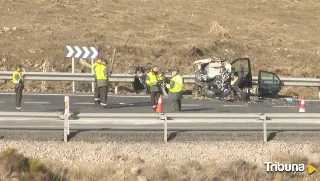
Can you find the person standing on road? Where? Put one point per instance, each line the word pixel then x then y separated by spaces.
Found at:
pixel 153 80
pixel 102 83
pixel 176 89
pixel 96 88
pixel 18 81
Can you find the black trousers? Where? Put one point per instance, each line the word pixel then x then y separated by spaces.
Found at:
pixel 96 93
pixel 103 95
pixel 176 105
pixel 155 97
pixel 18 90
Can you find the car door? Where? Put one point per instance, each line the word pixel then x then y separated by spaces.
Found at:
pixel 269 84
pixel 245 63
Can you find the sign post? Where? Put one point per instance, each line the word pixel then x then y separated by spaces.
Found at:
pixel 66 118
pixel 73 84
pixel 92 73
pixel 81 52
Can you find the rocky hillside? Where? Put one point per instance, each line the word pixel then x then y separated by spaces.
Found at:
pixel 278 35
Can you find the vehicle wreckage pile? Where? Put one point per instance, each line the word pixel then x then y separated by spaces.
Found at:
pixel 216 78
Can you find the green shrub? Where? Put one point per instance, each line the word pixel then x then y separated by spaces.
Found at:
pixel 15 165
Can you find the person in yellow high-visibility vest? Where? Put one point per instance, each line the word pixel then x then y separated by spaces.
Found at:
pixel 153 81
pixel 234 86
pixel 96 88
pixel 18 81
pixel 102 83
pixel 175 87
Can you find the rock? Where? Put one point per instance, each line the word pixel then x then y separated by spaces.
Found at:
pixel 6 29
pixel 135 171
pixel 14 175
pixel 142 178
pixel 138 160
pixel 290 56
pixel 14 28
pixel 32 51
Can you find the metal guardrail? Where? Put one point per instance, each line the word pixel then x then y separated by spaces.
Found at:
pixel 87 77
pixel 135 120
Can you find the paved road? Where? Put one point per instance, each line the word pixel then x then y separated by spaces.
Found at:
pixel 141 104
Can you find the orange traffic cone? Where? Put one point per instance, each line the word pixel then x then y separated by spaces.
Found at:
pixel 159 106
pixel 302 105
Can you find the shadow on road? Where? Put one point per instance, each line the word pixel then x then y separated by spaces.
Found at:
pixel 74 133
pixel 173 135
pixel 61 110
pixel 272 135
pixel 140 104
pixel 196 109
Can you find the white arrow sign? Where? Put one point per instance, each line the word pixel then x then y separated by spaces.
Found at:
pixel 82 52
pixel 70 51
pixel 78 52
pixel 87 52
pixel 95 53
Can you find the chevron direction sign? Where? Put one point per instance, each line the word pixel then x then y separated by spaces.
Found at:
pixel 82 52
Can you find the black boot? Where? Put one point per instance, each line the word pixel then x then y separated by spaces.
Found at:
pixel 97 103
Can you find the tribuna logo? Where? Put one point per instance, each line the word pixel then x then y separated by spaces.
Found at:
pixel 280 167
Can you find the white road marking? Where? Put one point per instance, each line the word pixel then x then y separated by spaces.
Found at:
pixel 36 102
pixel 1 102
pixel 286 106
pixel 190 105
pixel 231 105
pixel 91 103
pixel 84 103
pixel 121 103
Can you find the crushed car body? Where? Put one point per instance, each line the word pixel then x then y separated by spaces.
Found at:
pixel 215 78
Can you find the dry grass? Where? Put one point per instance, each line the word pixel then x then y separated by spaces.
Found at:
pixel 280 36
pixel 14 165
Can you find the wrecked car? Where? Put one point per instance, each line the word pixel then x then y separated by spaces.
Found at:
pixel 217 78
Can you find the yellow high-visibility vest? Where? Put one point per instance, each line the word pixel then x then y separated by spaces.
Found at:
pixel 94 67
pixel 153 77
pixel 234 80
pixel 178 84
pixel 100 72
pixel 14 76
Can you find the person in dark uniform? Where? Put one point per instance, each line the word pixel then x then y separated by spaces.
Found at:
pixel 18 81
pixel 102 82
pixel 154 80
pixel 96 88
pixel 175 87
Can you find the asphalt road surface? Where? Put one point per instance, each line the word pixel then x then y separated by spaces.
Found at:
pixel 141 104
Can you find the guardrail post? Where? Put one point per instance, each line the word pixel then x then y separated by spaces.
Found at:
pixel 66 118
pixel 116 88
pixel 165 126
pixel 264 119
pixel 319 92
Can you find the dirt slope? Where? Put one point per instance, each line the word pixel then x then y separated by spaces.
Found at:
pixel 278 35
